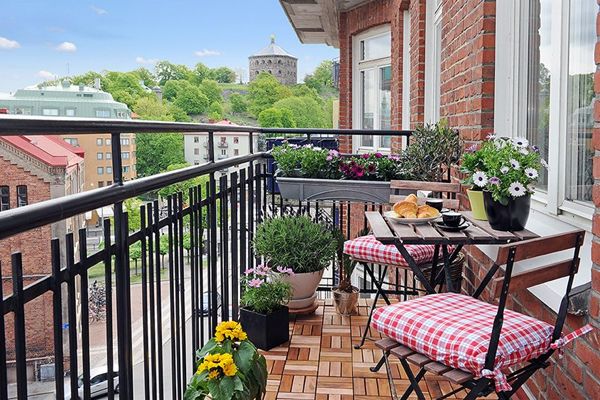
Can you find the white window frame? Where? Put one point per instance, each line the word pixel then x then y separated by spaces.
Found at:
pixel 357 67
pixel 551 212
pixel 433 59
pixel 405 76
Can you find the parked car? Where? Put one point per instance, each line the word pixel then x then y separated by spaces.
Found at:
pixel 206 301
pixel 98 383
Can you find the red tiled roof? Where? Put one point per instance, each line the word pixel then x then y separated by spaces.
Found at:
pixel 49 150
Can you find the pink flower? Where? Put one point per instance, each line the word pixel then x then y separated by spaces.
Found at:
pixel 287 271
pixel 366 155
pixel 255 283
pixel 378 155
pixel 262 270
pixel 249 271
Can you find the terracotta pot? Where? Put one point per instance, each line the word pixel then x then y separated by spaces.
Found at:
pixel 304 287
pixel 345 302
pixel 507 217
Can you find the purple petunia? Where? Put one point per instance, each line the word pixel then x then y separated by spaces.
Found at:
pixel 494 180
pixel 378 155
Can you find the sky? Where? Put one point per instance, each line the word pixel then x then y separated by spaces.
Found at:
pixel 41 39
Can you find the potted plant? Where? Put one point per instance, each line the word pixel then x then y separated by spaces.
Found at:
pixel 264 314
pixel 228 367
pixel 345 296
pixel 507 171
pixel 298 243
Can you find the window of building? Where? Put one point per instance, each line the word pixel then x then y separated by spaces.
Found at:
pixel 372 86
pixel 100 170
pixel 70 112
pixel 22 196
pixel 50 112
pixel 236 152
pixel 100 184
pixel 196 162
pixel 21 110
pixel 108 183
pixel 236 140
pixel 126 169
pixel 109 170
pixel 124 142
pixel 223 139
pixel 4 198
pixel 223 152
pixel 108 155
pixel 72 141
pixel 102 113
pixel 107 142
pixel 99 142
pixel 196 151
pixel 196 139
pixel 99 156
pixel 125 155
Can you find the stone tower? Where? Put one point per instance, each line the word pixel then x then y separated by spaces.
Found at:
pixel 276 61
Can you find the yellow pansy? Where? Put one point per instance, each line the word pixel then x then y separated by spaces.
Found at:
pixel 230 330
pixel 217 363
pixel 213 374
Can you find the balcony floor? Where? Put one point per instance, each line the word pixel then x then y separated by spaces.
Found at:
pixel 320 363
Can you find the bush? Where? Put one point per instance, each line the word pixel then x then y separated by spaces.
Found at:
pixel 295 242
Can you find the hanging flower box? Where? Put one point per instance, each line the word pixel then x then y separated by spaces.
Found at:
pixel 331 189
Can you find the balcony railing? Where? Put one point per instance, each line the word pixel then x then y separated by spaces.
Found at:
pixel 208 232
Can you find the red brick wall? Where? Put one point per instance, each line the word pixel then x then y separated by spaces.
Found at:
pixel 35 247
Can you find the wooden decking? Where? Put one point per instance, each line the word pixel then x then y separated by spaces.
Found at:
pixel 320 362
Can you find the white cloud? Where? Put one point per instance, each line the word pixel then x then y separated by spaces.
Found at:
pixel 67 47
pixel 98 10
pixel 142 60
pixel 46 75
pixel 206 53
pixel 8 44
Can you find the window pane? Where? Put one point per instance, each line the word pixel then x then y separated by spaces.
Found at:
pixel 376 47
pixel 580 99
pixel 538 98
pixel 369 104
pixel 385 106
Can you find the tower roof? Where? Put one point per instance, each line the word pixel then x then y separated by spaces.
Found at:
pixel 272 50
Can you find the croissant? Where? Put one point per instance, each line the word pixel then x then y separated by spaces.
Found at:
pixel 406 209
pixel 412 198
pixel 426 211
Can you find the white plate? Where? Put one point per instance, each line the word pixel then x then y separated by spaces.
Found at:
pixel 394 217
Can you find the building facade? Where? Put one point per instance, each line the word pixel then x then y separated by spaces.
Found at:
pixel 511 67
pixel 66 100
pixel 34 169
pixel 275 61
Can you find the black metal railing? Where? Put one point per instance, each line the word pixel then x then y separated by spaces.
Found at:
pixel 205 235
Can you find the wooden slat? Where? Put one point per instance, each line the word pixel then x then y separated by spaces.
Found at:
pixel 453 237
pixel 401 352
pixel 423 185
pixel 404 232
pixel 386 344
pixel 448 203
pixel 379 227
pixel 535 276
pixel 525 234
pixel 429 233
pixel 418 359
pixel 540 246
pixel 437 368
pixel 457 376
pixel 477 234
pixel 485 226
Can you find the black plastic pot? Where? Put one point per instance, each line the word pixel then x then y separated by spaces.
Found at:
pixel 510 217
pixel 266 330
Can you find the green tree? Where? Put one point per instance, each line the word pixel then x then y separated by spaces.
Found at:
pixel 86 79
pixel 167 71
pixel 200 73
pixel 223 75
pixel 211 90
pixel 276 118
pixel 155 152
pixel 306 112
pixel 124 86
pixel 151 109
pixel 264 91
pixel 132 208
pixel 303 90
pixel 178 114
pixel 184 186
pixel 238 103
pixel 191 100
pixel 322 79
pixel 173 87
pixel 146 76
pixel 215 111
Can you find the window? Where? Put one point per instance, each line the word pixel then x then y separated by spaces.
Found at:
pixel 109 170
pixel 4 198
pixel 50 112
pixel 196 139
pixel 108 155
pixel 124 142
pixel 236 152
pixel 99 156
pixel 22 196
pixel 196 151
pixel 100 184
pixel 102 113
pixel 99 142
pixel 100 170
pixel 236 140
pixel 72 141
pixel 108 183
pixel 223 139
pixel 372 87
pixel 126 169
pixel 125 155
pixel 70 112
pixel 107 142
pixel 224 152
pixel 19 110
pixel 433 41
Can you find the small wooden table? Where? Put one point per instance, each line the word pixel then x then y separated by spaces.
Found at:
pixel 480 232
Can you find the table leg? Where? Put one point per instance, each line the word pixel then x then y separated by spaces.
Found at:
pixel 447 273
pixel 434 262
pixel 415 267
pixel 380 292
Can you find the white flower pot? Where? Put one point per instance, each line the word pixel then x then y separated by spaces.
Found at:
pixel 304 287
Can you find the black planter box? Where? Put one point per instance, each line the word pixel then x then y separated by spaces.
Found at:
pixel 266 330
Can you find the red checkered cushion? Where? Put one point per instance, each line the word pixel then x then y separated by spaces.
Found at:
pixel 367 248
pixel 455 330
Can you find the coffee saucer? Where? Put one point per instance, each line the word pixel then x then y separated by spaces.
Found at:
pixel 448 228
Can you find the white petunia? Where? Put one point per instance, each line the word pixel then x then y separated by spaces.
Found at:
pixel 491 136
pixel 480 178
pixel 514 164
pixel 523 151
pixel 531 173
pixel 520 142
pixel 516 189
pixel 504 169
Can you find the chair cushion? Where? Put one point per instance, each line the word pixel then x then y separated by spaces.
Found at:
pixel 367 248
pixel 455 330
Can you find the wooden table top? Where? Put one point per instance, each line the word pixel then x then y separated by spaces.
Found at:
pixel 480 232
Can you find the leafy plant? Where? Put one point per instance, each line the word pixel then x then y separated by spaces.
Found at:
pixel 433 149
pixel 265 290
pixel 295 242
pixel 508 168
pixel 228 367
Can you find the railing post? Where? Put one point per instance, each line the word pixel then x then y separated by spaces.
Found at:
pixel 213 237
pixel 122 279
pixel 19 325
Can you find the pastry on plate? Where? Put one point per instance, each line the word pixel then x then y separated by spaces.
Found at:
pixel 426 211
pixel 412 198
pixel 406 209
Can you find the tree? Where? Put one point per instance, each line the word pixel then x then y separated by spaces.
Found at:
pixel 306 112
pixel 166 71
pixel 223 75
pixel 191 100
pixel 276 118
pixel 322 79
pixel 132 208
pixel 173 87
pixel 238 103
pixel 211 90
pixel 215 111
pixel 124 86
pixel 155 152
pixel 86 79
pixel 146 76
pixel 200 73
pixel 184 186
pixel 151 109
pixel 264 91
pixel 303 90
pixel 178 114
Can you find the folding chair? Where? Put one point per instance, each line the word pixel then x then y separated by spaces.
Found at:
pixel 474 343
pixel 368 252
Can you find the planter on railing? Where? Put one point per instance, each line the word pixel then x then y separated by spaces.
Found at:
pixel 332 189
